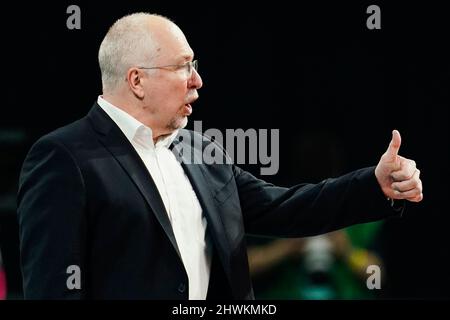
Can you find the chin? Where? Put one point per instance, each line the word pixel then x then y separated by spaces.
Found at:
pixel 184 122
pixel 179 123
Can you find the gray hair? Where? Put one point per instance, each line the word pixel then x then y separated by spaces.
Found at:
pixel 128 43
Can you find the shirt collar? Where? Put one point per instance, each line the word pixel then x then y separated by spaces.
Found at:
pixel 133 129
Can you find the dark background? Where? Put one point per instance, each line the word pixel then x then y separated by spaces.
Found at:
pixel 314 71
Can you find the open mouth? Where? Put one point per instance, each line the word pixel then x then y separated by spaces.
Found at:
pixel 187 109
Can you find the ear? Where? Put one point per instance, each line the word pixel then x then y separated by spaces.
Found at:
pixel 135 82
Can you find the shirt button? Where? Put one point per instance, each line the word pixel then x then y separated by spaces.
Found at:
pixel 182 288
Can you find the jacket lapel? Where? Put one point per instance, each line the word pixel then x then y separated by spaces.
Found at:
pixel 121 149
pixel 191 161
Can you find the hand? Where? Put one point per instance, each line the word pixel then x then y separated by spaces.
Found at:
pixel 398 177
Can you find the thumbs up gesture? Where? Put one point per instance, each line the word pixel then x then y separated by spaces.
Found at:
pixel 398 177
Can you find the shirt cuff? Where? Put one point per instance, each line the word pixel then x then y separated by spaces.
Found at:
pixel 397 205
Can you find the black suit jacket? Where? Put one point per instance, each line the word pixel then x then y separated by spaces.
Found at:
pixel 86 199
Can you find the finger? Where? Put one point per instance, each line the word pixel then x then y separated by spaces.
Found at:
pixel 394 145
pixel 407 194
pixel 407 184
pixel 406 172
pixel 416 199
pixel 410 193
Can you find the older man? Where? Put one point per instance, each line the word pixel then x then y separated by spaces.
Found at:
pixel 108 207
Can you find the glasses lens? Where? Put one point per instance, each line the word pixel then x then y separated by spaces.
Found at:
pixel 191 66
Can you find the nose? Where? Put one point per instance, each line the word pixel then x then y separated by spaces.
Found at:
pixel 195 82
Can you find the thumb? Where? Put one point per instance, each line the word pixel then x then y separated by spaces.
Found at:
pixel 394 146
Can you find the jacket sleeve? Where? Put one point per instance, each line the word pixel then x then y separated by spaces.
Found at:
pixel 311 209
pixel 52 223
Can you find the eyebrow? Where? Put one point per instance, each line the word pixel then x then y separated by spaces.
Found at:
pixel 186 57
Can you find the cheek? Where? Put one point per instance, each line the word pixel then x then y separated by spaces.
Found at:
pixel 177 97
pixel 171 98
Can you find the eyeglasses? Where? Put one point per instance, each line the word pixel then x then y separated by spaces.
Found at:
pixel 188 67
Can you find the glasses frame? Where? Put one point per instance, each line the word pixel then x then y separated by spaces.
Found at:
pixel 192 65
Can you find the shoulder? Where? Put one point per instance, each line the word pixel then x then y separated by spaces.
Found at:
pixel 199 142
pixel 200 148
pixel 71 133
pixel 62 144
pixel 69 137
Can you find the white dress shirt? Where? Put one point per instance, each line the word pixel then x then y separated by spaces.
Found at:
pixel 180 200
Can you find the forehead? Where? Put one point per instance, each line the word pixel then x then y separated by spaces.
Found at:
pixel 172 43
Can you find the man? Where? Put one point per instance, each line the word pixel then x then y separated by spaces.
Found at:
pixel 110 207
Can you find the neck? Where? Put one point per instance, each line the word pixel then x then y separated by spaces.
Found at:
pixel 160 136
pixel 137 113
